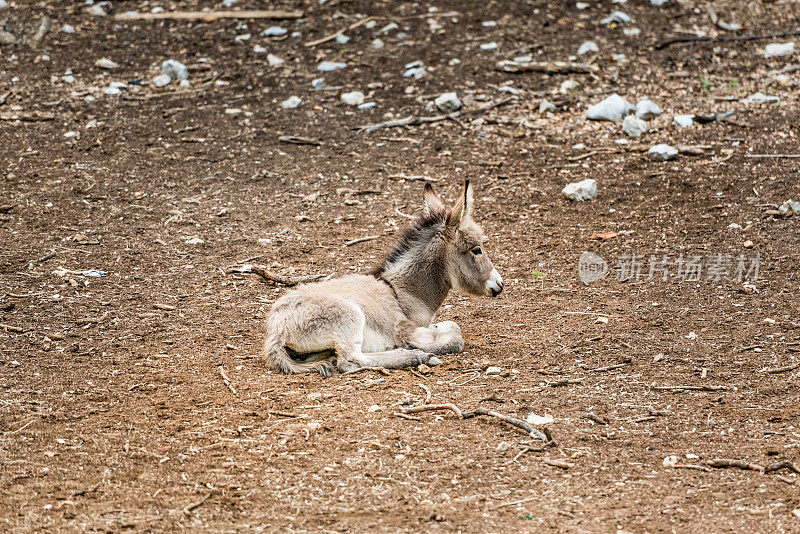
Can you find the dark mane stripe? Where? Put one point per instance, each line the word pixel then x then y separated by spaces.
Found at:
pixel 408 238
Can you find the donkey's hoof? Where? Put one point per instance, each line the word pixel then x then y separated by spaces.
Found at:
pixel 419 357
pixel 347 367
pixel 434 361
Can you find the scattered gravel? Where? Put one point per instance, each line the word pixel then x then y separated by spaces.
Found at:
pixel 617 17
pixel 647 110
pixel 274 31
pixel 588 47
pixel 581 191
pixel 448 102
pixel 684 121
pixel 328 66
pixel 545 106
pixel 353 98
pixel 760 98
pixel 175 70
pixel 662 152
pixel 613 109
pixel 779 49
pixel 633 127
pixel 291 102
pixel 105 63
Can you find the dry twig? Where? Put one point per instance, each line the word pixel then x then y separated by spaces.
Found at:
pixel 433 408
pixel 690 388
pixel 380 370
pixel 737 464
pixel 211 16
pixel 548 67
pixel 725 38
pixel 428 393
pixel 416 121
pixel 361 240
pixel 225 379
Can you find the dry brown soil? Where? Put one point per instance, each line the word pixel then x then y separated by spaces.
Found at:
pixel 113 412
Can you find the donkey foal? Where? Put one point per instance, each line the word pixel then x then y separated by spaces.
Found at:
pixel 384 319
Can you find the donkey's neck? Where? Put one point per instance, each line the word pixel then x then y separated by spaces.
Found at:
pixel 419 278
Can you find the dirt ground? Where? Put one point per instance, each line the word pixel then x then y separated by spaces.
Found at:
pixel 114 414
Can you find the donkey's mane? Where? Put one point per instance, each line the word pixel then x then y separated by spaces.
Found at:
pixel 409 238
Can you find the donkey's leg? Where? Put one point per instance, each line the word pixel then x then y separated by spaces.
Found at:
pixel 438 338
pixel 396 359
pixel 349 341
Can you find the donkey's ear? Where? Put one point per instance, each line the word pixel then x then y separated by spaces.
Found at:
pixel 432 202
pixel 463 208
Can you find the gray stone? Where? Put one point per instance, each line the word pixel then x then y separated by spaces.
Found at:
pixel 318 83
pixel 389 27
pixel 105 63
pixel 377 44
pixel 567 86
pixel 161 80
pixel 633 127
pixel 631 32
pixel 275 61
pixel 258 49
pixel 416 73
pixel 684 121
pixel 779 49
pixel 545 106
pixel 662 152
pixel 67 28
pixel 274 31
pixel 175 70
pixel 581 191
pixel 242 38
pixel 342 39
pixel 96 10
pixel 647 110
pixel 328 66
pixel 448 102
pixel 790 207
pixel 760 98
pixel 587 47
pixel 366 105
pixel 658 2
pixel 291 102
pixel 487 47
pixel 353 98
pixel 616 17
pixel 613 109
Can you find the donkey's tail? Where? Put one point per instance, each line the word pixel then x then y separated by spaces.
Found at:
pixel 280 360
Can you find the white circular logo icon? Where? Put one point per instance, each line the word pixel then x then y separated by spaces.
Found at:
pixel 591 268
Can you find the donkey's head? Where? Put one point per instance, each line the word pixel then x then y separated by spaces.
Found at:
pixel 469 268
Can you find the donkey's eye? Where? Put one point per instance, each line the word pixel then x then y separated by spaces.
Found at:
pixel 477 251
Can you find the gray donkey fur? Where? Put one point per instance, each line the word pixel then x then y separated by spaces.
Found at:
pixel 384 319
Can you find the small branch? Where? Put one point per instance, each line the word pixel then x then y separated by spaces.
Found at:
pixel 692 466
pixel 690 388
pixel 548 67
pixel 406 416
pixel 297 140
pixel 11 328
pixel 362 240
pixel 380 370
pixel 270 276
pixel 558 463
pixel 416 121
pixel 772 155
pixel 225 379
pixel 736 464
pixel 512 503
pixel 434 407
pixel 725 38
pixel 519 423
pixel 27 116
pixel 428 393
pixel 783 464
pixel 211 16
pixel 608 368
pixel 779 370
pixel 92 320
pixel 188 509
pixel 591 416
pixel 333 36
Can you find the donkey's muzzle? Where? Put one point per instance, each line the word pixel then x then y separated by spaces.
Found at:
pixel 494 286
